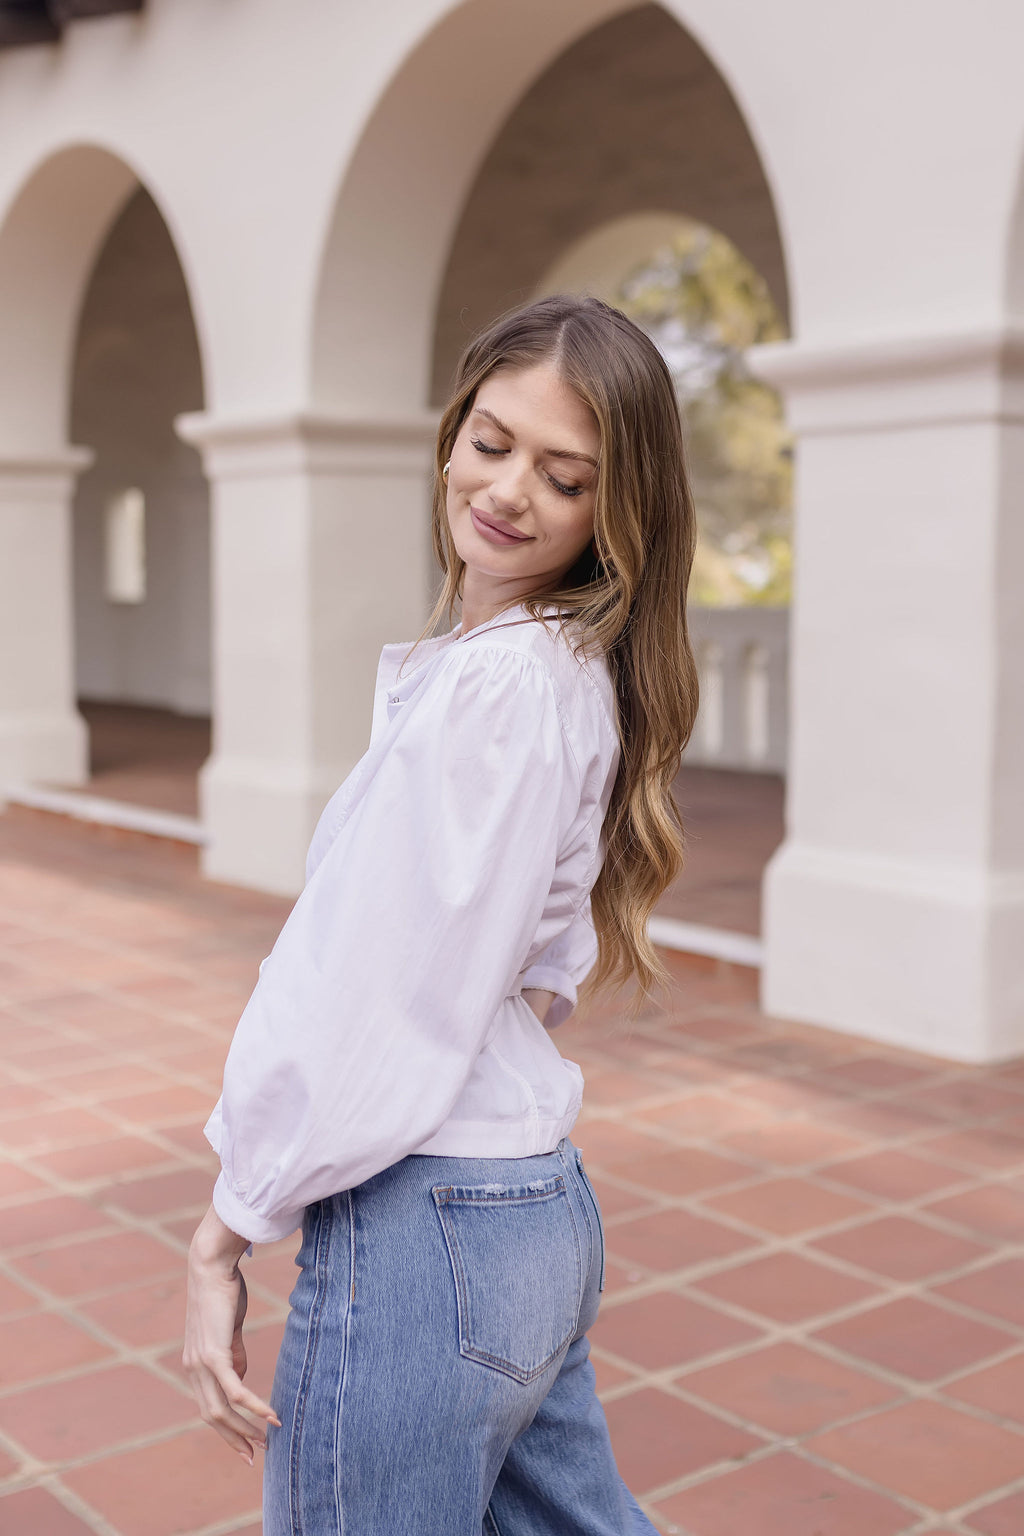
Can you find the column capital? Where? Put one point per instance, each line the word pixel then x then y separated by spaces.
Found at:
pixel 894 382
pixel 310 443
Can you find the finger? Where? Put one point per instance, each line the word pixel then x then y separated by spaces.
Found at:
pixel 245 1401
pixel 232 1387
pixel 237 1393
pixel 238 1443
pixel 231 1425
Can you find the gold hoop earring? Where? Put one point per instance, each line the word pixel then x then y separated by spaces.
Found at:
pixel 444 472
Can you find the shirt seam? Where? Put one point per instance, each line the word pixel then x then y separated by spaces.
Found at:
pixel 552 681
pixel 601 705
pixel 533 1108
pixel 550 678
pixel 511 650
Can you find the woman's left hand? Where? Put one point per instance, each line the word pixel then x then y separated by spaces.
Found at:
pixel 214 1355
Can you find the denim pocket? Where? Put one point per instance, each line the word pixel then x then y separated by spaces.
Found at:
pixel 515 1256
pixel 599 1224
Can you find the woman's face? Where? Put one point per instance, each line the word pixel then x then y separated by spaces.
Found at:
pixel 523 479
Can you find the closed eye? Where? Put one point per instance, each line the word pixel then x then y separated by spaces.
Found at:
pixel 563 490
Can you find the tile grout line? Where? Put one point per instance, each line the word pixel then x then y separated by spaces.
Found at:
pixel 761 1244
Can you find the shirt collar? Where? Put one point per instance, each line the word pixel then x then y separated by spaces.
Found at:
pixel 393 655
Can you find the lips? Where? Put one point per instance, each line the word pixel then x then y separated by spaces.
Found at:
pixel 495 531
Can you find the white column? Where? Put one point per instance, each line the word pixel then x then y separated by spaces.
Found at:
pixel 321 554
pixel 42 736
pixel 895 907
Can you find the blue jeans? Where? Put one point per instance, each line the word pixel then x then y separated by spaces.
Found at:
pixel 434 1377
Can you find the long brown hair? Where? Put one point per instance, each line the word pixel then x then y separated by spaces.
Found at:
pixel 628 600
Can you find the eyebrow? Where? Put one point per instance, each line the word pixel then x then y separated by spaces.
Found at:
pixel 549 453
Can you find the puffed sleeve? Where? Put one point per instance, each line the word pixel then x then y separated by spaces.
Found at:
pixel 564 965
pixel 391 968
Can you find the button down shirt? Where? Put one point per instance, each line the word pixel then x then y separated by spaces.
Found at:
pixel 452 869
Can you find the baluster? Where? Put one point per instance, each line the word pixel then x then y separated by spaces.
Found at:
pixel 711 719
pixel 756 703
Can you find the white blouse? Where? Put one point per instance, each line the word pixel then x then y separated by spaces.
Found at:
pixel 452 869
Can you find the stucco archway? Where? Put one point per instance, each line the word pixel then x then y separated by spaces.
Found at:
pixel 338 482
pixel 632 116
pixel 50 237
pixel 596 262
pixel 142 657
pixel 402 199
pixel 50 240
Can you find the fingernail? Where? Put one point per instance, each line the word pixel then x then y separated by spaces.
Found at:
pixel 245 1458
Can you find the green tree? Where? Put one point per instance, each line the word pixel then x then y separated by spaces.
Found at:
pixel 705 305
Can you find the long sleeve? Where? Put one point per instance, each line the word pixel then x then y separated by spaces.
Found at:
pixel 412 930
pixel 563 966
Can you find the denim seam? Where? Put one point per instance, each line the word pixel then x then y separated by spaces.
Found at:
pixel 339 1511
pixel 496 1199
pixel 579 1257
pixel 598 1233
pixel 323 1241
pixel 591 1226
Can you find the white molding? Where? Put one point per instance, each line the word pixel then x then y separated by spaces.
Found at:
pixel 310 443
pixel 965 886
pixel 36 465
pixel 107 813
pixel 895 382
pixel 695 939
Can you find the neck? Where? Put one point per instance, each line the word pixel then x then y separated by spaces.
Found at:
pixel 485 596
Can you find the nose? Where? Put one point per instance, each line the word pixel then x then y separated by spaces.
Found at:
pixel 509 487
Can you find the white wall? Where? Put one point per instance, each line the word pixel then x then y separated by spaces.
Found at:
pixel 136 368
pixel 885 196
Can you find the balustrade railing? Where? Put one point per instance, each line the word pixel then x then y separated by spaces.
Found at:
pixel 742 656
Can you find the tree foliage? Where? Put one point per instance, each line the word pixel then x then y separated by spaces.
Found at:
pixel 704 305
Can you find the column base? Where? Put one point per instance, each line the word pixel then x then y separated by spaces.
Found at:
pixel 43 747
pixel 258 819
pixel 930 958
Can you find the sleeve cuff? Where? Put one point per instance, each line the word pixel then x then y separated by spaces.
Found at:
pixel 213 1126
pixel 547 978
pixel 258 1229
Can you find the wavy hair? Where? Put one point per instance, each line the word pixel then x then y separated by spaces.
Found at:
pixel 628 600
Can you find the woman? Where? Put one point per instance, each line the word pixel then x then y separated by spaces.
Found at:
pixel 391 1084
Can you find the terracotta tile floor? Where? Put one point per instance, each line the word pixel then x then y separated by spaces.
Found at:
pixel 813 1320
pixel 146 756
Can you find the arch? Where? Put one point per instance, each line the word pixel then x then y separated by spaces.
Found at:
pixel 54 231
pixel 633 115
pixel 136 368
pixel 595 262
pixel 392 226
pixel 50 237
